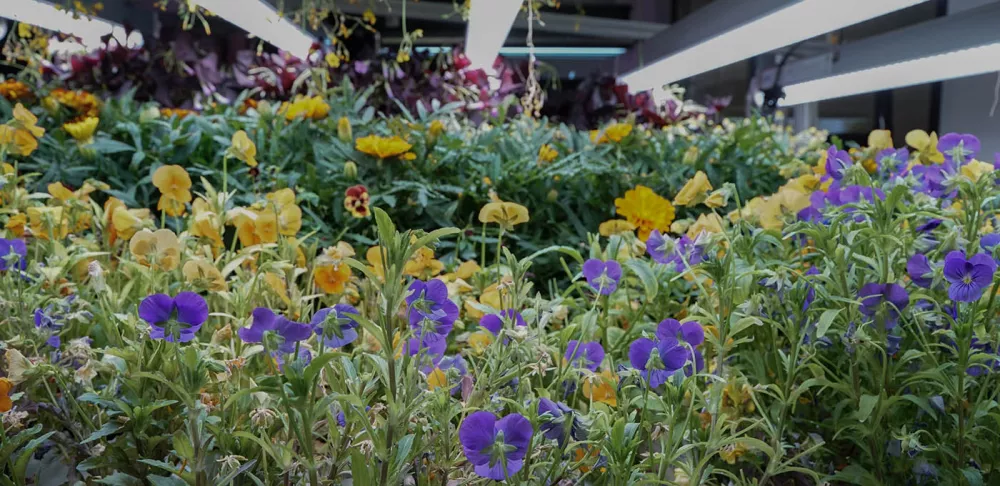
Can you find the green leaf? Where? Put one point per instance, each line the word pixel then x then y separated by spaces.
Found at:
pixel 402 452
pixel 644 272
pixel 865 407
pixel 317 364
pixel 106 430
pixel 825 321
pixel 615 334
pixel 166 481
pixel 120 479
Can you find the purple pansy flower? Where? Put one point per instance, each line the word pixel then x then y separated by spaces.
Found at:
pixel 837 161
pixel 556 417
pixel 274 331
pixel 931 225
pixel 432 348
pixel 990 241
pixel 887 300
pixel 968 277
pixel 918 267
pixel 494 322
pixel 45 319
pixel 585 355
pixel 932 178
pixel 959 147
pixel 13 254
pixel 992 362
pixel 495 447
pixel 335 326
pixel 174 319
pixel 432 314
pixel 603 276
pixel 894 161
pixel 660 247
pixel 302 360
pixel 672 344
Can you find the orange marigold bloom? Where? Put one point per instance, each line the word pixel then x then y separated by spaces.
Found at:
pixel 14 90
pixel 180 113
pixel 383 147
pixel 6 386
pixel 356 200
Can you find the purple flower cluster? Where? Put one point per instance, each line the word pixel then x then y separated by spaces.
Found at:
pixel 13 254
pixel 968 277
pixel 432 314
pixel 584 355
pixel 494 322
pixel 883 301
pixel 672 348
pixel 335 326
pixel 558 419
pixel 276 333
pixel 680 253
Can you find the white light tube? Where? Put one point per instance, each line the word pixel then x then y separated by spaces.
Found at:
pixel 489 23
pixel 259 19
pixel 47 16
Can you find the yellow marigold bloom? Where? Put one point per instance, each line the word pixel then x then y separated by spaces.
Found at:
pixel 382 147
pixel 436 128
pixel 976 169
pixel 5 388
pixel 615 227
pixel 17 141
pixel 174 183
pixel 880 140
pixel 159 250
pixel 83 130
pixel 615 132
pixel 313 108
pixel 46 222
pixel 926 145
pixel 14 90
pixel 243 148
pixel 202 274
pixel 26 120
pixel 694 189
pixel 479 341
pixel 547 154
pixel 505 214
pixel 706 223
pixel 16 223
pixel 602 388
pixel 646 210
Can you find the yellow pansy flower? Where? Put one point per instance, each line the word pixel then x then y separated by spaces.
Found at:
pixel 26 120
pixel 880 140
pixel 46 222
pixel 467 269
pixel 17 141
pixel 706 223
pixel 505 214
pixel 646 210
pixel 423 265
pixel 60 192
pixel 382 147
pixel 174 184
pixel 332 278
pixel 159 250
pixel 976 169
pixel 926 145
pixel 615 227
pixel 277 285
pixel 205 223
pixel 479 341
pixel 243 148
pixel 83 130
pixel 202 274
pixel 694 189
pixel 602 388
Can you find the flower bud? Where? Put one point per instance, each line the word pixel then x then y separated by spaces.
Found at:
pixel 553 195
pixel 350 170
pixel 148 114
pixel 344 132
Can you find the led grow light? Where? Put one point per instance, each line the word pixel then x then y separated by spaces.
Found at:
pixel 45 15
pixel 489 23
pixel 950 65
pixel 797 22
pixel 259 19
